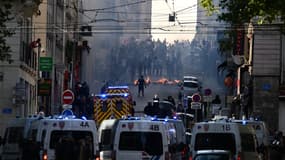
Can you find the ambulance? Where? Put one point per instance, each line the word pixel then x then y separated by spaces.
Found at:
pixel 65 135
pixel 216 135
pixel 140 138
pixel 115 103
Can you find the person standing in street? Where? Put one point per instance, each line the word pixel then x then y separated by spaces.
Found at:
pixel 141 86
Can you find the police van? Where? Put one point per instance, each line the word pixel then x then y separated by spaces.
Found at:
pixel 65 136
pixel 260 128
pixel 15 134
pixel 249 143
pixel 218 135
pixel 260 132
pixel 181 139
pixel 139 138
pixel 106 133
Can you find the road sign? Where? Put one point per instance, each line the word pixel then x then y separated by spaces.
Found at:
pixel 67 97
pixel 208 92
pixel 44 87
pixel 207 98
pixel 196 105
pixel 196 97
pixel 46 63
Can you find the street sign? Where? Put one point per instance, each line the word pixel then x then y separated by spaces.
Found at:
pixel 7 110
pixel 67 97
pixel 208 92
pixel 46 63
pixel 44 87
pixel 207 98
pixel 196 105
pixel 196 97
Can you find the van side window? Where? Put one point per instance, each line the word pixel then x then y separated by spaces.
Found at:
pixel 104 107
pixel 105 138
pixel 15 134
pixel 34 134
pixel 247 142
pixel 43 136
pixel 119 105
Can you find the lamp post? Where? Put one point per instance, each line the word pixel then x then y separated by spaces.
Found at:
pixel 39 45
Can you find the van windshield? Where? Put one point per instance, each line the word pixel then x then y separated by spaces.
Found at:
pixel 190 84
pixel 74 138
pixel 222 141
pixel 150 142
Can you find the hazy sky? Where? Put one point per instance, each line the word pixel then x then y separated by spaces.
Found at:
pixel 184 26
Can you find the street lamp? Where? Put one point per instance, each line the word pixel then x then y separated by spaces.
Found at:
pixel 39 45
pixel 39 55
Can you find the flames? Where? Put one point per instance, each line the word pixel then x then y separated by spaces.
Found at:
pixel 159 81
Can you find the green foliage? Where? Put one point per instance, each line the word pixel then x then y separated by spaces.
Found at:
pixel 242 11
pixel 6 15
pixel 238 13
pixel 5 12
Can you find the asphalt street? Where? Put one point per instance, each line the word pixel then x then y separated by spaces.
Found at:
pixel 162 90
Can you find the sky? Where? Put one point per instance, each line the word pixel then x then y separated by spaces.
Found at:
pixel 184 26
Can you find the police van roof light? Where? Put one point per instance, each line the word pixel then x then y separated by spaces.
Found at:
pixel 112 87
pixel 153 118
pixel 84 118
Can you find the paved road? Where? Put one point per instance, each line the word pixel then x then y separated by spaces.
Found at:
pixel 276 155
pixel 161 90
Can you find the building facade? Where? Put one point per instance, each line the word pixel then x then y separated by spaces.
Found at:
pixel 19 76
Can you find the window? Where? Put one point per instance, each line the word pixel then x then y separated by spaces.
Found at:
pixel 1 76
pixel 213 157
pixel 119 105
pixel 247 142
pixel 106 139
pixel 15 134
pixel 150 142
pixel 73 136
pixel 223 141
pixel 104 107
pixel 190 84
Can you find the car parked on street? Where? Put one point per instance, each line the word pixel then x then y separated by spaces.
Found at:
pixel 213 155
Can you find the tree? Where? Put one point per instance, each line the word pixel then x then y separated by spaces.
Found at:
pixel 238 13
pixel 5 12
pixel 242 11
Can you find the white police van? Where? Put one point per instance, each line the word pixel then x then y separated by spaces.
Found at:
pixel 261 135
pixel 249 143
pixel 106 132
pixel 15 134
pixel 260 128
pixel 65 136
pixel 191 85
pixel 216 135
pixel 144 138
